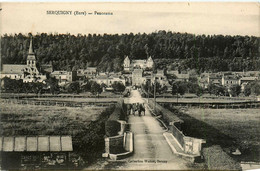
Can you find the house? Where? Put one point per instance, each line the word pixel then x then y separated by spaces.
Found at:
pixel 229 80
pixel 116 78
pixel 126 63
pixel 172 72
pixel 160 77
pixel 101 79
pixel 46 68
pixel 246 80
pixel 137 77
pixel 88 72
pixel 28 72
pixel 149 63
pixel 215 78
pixel 64 77
pixel 182 77
pixel 137 64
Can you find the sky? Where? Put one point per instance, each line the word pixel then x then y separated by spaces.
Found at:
pixel 226 18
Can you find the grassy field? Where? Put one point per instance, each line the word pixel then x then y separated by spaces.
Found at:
pixel 82 95
pixel 241 126
pixel 45 120
pixel 86 125
pixel 201 100
pixel 75 99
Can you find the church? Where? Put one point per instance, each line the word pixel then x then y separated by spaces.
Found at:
pixel 28 72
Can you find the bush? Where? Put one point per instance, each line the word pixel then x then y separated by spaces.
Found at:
pixel 217 159
pixel 112 128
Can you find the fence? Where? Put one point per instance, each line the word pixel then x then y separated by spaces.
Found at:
pixel 56 103
pixel 229 105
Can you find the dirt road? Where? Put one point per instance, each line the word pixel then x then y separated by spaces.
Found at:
pixel 151 150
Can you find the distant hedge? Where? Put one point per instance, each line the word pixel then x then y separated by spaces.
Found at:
pixel 217 159
pixel 112 126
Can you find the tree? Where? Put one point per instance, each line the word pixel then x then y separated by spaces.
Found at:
pixel 36 87
pixel 95 88
pixel 53 85
pixel 199 91
pixel 255 87
pixel 217 89
pixel 235 90
pixel 86 87
pixel 74 87
pixel 178 88
pixel 247 90
pixel 118 87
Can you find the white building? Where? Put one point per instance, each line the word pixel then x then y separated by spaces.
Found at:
pixel 28 72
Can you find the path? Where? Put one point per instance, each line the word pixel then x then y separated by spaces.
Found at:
pixel 151 151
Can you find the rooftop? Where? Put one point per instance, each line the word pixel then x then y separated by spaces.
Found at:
pixel 36 143
pixel 13 69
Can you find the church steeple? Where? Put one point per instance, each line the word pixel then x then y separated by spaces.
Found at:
pixel 31 60
pixel 31 48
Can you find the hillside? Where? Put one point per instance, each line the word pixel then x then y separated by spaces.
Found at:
pixel 175 50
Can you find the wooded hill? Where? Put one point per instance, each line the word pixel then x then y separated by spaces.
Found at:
pixel 175 50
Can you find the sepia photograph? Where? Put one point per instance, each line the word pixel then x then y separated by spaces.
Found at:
pixel 130 86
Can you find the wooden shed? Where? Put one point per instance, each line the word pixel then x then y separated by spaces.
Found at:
pixel 35 152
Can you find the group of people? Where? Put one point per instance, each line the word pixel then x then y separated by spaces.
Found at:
pixel 132 108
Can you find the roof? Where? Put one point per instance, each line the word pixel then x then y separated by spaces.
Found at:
pixel 31 48
pixel 150 59
pixel 175 72
pixel 59 73
pixel 47 68
pixel 13 69
pixel 231 77
pixel 127 58
pixel 139 61
pixel 248 78
pixel 102 77
pixel 137 71
pixel 91 68
pixel 38 143
pixel 216 82
pixel 183 76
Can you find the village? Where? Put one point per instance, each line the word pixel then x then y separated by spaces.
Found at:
pixel 135 73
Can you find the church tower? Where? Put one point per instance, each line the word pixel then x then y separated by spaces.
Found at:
pixel 31 60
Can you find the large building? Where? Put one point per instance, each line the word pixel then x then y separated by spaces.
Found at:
pixel 137 77
pixel 28 72
pixel 64 77
pixel 137 64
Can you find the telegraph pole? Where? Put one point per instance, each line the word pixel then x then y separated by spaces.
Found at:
pixel 154 94
pixel 148 92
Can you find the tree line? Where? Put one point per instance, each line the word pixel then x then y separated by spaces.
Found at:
pixel 51 86
pixel 180 51
pixel 191 86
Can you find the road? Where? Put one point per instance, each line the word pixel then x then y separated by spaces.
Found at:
pixel 151 151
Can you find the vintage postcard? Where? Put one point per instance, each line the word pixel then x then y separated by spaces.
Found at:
pixel 130 86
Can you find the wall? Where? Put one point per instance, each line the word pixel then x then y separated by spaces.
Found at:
pixel 177 134
pixel 114 144
pixel 190 145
